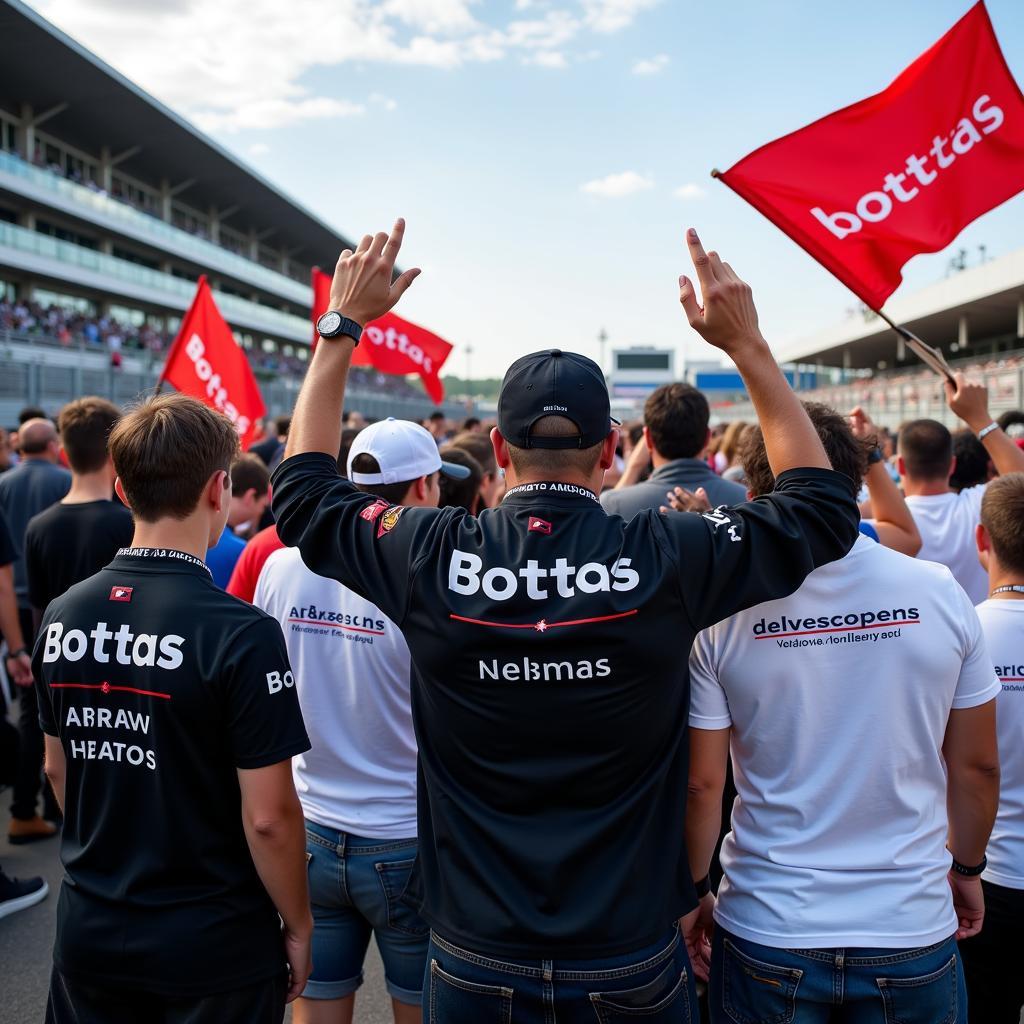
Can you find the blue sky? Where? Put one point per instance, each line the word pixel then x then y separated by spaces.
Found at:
pixel 481 123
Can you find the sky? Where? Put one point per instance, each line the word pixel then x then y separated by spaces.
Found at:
pixel 547 155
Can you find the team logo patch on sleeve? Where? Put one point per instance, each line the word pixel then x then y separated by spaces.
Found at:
pixel 121 593
pixel 389 520
pixel 371 512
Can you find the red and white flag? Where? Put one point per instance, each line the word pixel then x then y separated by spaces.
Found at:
pixel 391 344
pixel 207 363
pixel 902 172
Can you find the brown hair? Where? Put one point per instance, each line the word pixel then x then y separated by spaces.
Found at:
pixel 461 493
pixel 926 448
pixel 556 462
pixel 677 417
pixel 480 447
pixel 85 426
pixel 1002 514
pixel 248 473
pixel 847 454
pixel 166 450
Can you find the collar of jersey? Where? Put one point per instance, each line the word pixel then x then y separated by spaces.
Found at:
pixel 549 490
pixel 161 560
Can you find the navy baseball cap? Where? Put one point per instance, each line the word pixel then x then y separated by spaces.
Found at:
pixel 554 383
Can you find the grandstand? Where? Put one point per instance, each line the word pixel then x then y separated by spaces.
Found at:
pixel 976 316
pixel 111 206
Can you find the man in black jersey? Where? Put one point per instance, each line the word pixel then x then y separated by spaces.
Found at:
pixel 82 532
pixel 171 718
pixel 549 640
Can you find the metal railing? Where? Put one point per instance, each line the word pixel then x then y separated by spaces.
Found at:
pixel 110 212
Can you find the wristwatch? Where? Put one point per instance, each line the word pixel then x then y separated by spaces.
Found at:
pixel 333 325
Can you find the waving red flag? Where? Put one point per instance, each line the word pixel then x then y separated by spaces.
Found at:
pixel 902 172
pixel 206 362
pixel 391 344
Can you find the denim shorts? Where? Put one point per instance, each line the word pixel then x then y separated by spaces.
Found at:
pixel 355 885
pixel 648 986
pixel 755 984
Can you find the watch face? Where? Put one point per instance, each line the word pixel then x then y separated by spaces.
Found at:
pixel 328 323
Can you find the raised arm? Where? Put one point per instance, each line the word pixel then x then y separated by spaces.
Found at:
pixel 728 320
pixel 362 290
pixel 893 522
pixel 969 401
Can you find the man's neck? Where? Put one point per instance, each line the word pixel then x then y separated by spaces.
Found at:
pixel 658 460
pixel 588 483
pixel 86 487
pixel 39 457
pixel 185 535
pixel 1000 577
pixel 924 488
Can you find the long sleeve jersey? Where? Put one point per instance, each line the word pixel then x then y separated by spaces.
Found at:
pixel 550 686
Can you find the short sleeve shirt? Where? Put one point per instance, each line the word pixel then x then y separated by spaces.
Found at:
pixel 160 687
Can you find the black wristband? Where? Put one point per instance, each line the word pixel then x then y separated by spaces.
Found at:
pixel 962 869
pixel 703 887
pixel 16 654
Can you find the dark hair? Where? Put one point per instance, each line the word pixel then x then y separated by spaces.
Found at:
pixel 31 412
pixel 846 454
pixel 1002 512
pixel 85 426
pixel 461 493
pixel 393 494
pixel 1012 418
pixel 348 435
pixel 470 422
pixel 166 450
pixel 249 473
pixel 480 447
pixel 437 414
pixel 556 462
pixel 926 448
pixel 972 461
pixel 282 424
pixel 677 417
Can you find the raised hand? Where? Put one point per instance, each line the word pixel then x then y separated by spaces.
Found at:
pixel 362 288
pixel 682 500
pixel 968 400
pixel 728 318
pixel 861 424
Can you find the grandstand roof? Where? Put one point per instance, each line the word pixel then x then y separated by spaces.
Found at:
pixel 103 107
pixel 988 295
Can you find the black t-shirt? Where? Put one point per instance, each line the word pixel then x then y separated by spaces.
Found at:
pixel 8 553
pixel 159 686
pixel 69 543
pixel 550 685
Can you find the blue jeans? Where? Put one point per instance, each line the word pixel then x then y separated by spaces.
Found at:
pixel 754 984
pixel 355 885
pixel 649 986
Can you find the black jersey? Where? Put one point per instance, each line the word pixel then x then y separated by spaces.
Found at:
pixel 550 692
pixel 160 686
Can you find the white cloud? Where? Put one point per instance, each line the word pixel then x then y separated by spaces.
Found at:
pixel 384 102
pixel 691 190
pixel 258 149
pixel 247 68
pixel 614 186
pixel 548 59
pixel 651 65
pixel 613 15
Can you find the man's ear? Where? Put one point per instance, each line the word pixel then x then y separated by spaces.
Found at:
pixel 119 491
pixel 984 544
pixel 611 442
pixel 500 446
pixel 218 489
pixel 900 466
pixel 952 467
pixel 420 488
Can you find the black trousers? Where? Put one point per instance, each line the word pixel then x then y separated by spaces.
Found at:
pixel 995 982
pixel 73 1003
pixel 28 778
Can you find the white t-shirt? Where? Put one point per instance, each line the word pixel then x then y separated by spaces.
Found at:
pixel 838 697
pixel 947 523
pixel 351 667
pixel 1003 623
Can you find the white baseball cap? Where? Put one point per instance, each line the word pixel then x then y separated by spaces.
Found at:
pixel 404 451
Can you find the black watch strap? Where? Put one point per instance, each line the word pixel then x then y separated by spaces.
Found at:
pixel 703 887
pixel 16 654
pixel 967 872
pixel 334 325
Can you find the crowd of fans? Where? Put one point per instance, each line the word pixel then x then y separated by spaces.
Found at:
pixel 466 646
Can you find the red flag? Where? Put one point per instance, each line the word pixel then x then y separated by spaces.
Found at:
pixel 206 363
pixel 902 172
pixel 391 344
